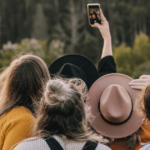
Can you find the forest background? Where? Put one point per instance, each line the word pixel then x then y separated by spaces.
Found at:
pixel 52 28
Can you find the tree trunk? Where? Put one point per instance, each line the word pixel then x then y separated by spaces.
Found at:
pixel 73 25
pixel 1 9
pixel 56 5
pixel 83 6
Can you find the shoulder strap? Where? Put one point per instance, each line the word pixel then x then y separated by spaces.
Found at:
pixel 52 143
pixel 90 145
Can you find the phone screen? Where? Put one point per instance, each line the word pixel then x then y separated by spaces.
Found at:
pixel 94 14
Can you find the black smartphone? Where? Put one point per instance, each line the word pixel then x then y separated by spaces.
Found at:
pixel 93 10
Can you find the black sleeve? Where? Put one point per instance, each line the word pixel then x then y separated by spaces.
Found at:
pixel 106 65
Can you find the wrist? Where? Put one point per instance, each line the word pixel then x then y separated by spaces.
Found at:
pixel 107 39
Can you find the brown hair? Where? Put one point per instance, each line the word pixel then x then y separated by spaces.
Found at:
pixel 134 139
pixel 142 105
pixel 63 111
pixel 23 83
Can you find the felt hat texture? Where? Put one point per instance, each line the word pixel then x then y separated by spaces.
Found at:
pixel 77 66
pixel 112 104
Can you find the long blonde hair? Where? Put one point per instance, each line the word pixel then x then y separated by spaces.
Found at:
pixel 23 83
pixel 63 111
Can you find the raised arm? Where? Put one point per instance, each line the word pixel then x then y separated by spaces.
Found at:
pixel 106 64
pixel 104 30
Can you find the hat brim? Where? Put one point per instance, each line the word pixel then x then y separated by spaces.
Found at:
pixel 102 127
pixel 80 61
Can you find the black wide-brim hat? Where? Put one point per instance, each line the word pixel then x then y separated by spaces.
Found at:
pixel 75 65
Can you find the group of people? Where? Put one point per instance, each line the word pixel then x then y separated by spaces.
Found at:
pixel 71 105
pixel 95 16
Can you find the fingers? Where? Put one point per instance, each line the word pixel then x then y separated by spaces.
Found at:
pixel 144 76
pixel 96 25
pixel 137 87
pixel 102 15
pixel 139 80
pixel 137 84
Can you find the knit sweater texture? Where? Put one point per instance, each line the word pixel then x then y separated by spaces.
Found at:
pixel 40 144
pixel 15 126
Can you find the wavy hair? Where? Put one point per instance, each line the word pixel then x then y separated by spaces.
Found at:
pixel 63 111
pixel 23 83
pixel 142 104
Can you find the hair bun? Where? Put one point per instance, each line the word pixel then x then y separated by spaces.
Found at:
pixel 55 86
pixel 57 91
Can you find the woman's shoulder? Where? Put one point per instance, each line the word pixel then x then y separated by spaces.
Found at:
pixel 17 114
pixel 19 109
pixel 102 147
pixel 39 143
pixel 32 144
pixel 19 117
pixel 20 112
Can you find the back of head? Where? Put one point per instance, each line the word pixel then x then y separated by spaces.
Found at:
pixel 63 111
pixel 23 84
pixel 142 105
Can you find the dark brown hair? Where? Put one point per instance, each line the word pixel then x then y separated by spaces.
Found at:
pixel 63 111
pixel 134 139
pixel 23 83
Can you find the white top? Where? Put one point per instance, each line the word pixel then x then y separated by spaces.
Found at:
pixel 40 144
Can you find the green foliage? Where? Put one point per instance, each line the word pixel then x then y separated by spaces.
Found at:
pixel 40 24
pixel 5 58
pixel 141 49
pixel 56 50
pixel 142 69
pixel 124 59
pixel 31 46
pixel 88 48
pixel 134 61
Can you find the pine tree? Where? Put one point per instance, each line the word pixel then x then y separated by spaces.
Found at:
pixel 40 24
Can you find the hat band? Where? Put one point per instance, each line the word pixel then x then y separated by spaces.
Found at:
pixel 112 123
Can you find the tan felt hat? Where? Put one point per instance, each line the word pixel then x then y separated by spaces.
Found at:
pixel 112 105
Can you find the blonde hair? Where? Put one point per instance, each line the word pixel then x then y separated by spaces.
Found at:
pixel 23 83
pixel 63 111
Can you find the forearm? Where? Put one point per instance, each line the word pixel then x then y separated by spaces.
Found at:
pixel 104 30
pixel 107 48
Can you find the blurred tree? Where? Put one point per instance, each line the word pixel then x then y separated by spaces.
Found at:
pixel 56 50
pixel 6 57
pixel 129 59
pixel 141 49
pixel 33 47
pixel 89 48
pixel 15 21
pixel 40 24
pixel 142 69
pixel 1 7
pixel 124 59
pixel 67 21
pixel 73 23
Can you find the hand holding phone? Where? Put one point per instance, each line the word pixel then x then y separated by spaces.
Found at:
pixel 103 27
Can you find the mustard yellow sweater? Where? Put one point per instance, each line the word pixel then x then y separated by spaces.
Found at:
pixel 15 126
